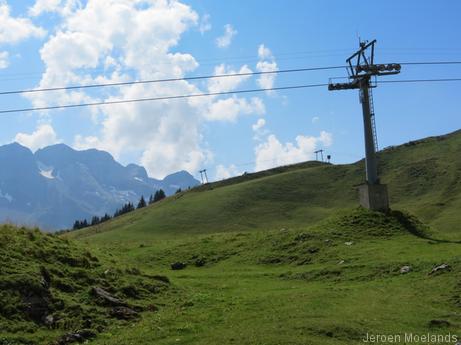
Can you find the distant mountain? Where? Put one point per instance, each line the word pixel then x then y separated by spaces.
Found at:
pixel 58 185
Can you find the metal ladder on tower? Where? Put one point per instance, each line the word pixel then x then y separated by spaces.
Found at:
pixel 373 122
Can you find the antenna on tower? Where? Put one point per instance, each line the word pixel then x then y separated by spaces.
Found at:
pixel 361 70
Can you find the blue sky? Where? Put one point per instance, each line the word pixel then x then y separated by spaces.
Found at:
pixel 48 43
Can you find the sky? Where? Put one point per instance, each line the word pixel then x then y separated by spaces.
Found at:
pixel 54 43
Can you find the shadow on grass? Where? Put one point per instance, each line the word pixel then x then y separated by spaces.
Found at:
pixel 416 227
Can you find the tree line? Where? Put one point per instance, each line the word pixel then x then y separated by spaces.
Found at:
pixel 128 207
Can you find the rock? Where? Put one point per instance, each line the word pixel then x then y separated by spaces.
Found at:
pixel 405 269
pixel 439 323
pixel 200 262
pixel 49 321
pixel 441 268
pixel 341 262
pixel 46 277
pixel 106 298
pixel 79 336
pixel 350 243
pixel 178 266
pixel 124 313
pixel 37 306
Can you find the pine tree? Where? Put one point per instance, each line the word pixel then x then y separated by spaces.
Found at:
pixel 159 195
pixel 105 218
pixel 77 225
pixel 142 202
pixel 179 190
pixel 151 199
pixel 95 220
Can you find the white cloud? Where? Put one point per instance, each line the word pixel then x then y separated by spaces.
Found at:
pixel 120 40
pixel 225 40
pixel 120 37
pixel 266 63
pixel 223 172
pixel 325 138
pixel 205 24
pixel 315 119
pixel 14 30
pixel 4 59
pixel 273 153
pixel 225 84
pixel 259 125
pixel 230 108
pixel 43 136
pixel 260 132
pixel 63 7
pixel 264 52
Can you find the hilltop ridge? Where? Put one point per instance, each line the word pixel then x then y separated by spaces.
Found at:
pixel 424 178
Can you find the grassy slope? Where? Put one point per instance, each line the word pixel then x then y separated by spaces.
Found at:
pixel 424 178
pixel 301 286
pixel 292 279
pixel 42 276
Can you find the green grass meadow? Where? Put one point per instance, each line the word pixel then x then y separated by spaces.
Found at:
pixel 283 256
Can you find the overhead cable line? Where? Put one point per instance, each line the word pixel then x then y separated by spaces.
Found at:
pixel 161 98
pixel 432 63
pixel 244 74
pixel 281 88
pixel 172 80
pixel 417 80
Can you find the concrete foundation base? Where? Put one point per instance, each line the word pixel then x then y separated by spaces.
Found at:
pixel 374 197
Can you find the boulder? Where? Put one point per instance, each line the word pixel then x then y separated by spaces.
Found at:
pixel 49 321
pixel 124 313
pixel 440 269
pixel 200 262
pixel 178 265
pixel 78 336
pixel 36 305
pixel 105 298
pixel 405 269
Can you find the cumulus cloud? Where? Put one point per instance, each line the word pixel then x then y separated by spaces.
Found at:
pixel 43 136
pixel 266 63
pixel 126 40
pixel 63 7
pixel 260 132
pixel 225 40
pixel 223 172
pixel 259 125
pixel 119 40
pixel 230 108
pixel 205 24
pixel 16 29
pixel 227 83
pixel 273 153
pixel 315 119
pixel 4 59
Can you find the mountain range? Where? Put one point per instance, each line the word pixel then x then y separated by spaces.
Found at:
pixel 56 185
